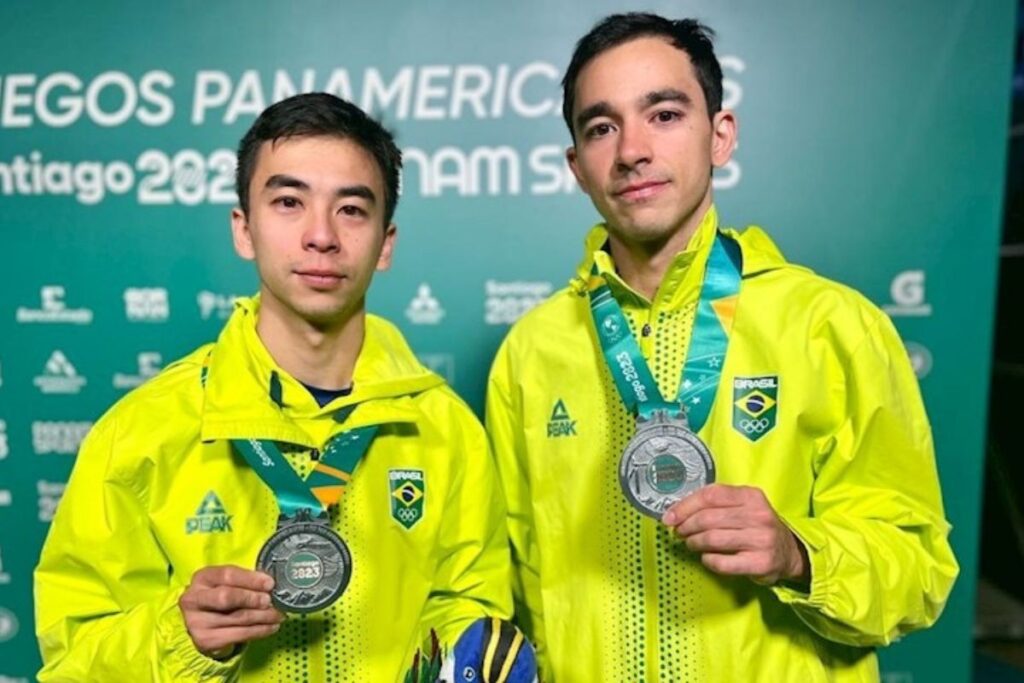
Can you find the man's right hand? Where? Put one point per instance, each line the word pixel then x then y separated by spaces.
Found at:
pixel 227 606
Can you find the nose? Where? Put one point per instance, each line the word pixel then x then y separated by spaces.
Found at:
pixel 634 146
pixel 320 234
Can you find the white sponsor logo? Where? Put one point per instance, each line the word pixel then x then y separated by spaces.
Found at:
pixel 5 578
pixel 146 304
pixel 5 498
pixel 441 363
pixel 506 302
pixel 149 366
pixel 212 304
pixel 1 375
pixel 7 679
pixel 8 625
pixel 50 493
pixel 908 295
pixel 424 309
pixel 920 359
pixel 4 448
pixel 59 376
pixel 52 309
pixel 58 437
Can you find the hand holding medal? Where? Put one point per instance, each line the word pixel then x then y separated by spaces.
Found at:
pixel 224 607
pixel 737 532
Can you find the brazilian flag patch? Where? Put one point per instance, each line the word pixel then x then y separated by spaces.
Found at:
pixel 408 490
pixel 755 405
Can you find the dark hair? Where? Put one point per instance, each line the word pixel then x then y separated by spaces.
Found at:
pixel 688 35
pixel 320 114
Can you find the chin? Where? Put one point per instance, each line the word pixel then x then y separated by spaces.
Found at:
pixel 322 316
pixel 644 233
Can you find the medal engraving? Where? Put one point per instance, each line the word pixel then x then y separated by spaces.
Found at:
pixel 663 463
pixel 310 563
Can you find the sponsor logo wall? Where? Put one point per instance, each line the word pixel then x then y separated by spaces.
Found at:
pixel 117 175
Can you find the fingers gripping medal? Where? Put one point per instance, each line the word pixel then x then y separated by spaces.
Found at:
pixel 663 463
pixel 666 461
pixel 310 563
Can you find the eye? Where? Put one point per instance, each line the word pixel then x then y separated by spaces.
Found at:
pixel 598 130
pixel 352 210
pixel 287 202
pixel 667 116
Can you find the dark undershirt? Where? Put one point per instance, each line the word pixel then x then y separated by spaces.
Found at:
pixel 325 396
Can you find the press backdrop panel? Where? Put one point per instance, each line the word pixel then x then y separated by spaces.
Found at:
pixel 872 141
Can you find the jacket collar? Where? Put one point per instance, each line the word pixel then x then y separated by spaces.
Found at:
pixel 684 276
pixel 248 395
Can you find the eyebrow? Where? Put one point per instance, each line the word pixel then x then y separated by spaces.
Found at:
pixel 283 180
pixel 592 112
pixel 667 95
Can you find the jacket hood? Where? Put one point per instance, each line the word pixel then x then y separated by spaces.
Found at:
pixel 247 393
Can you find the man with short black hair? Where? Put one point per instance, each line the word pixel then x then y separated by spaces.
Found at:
pixel 235 458
pixel 717 464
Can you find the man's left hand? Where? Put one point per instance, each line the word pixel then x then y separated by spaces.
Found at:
pixel 736 532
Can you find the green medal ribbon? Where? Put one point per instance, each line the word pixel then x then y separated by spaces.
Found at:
pixel 325 484
pixel 708 343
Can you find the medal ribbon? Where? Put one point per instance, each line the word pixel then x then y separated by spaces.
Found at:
pixel 325 484
pixel 708 342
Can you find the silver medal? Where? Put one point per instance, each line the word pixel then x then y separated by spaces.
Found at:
pixel 310 563
pixel 663 463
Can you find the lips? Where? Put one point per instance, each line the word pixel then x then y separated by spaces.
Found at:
pixel 320 278
pixel 641 190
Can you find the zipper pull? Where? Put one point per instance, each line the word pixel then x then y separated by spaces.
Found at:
pixel 646 330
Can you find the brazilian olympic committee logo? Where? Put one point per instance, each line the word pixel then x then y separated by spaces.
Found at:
pixel 755 403
pixel 408 489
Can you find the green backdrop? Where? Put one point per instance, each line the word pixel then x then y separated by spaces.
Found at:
pixel 872 138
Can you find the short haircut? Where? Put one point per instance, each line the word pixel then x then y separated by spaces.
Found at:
pixel 688 35
pixel 315 114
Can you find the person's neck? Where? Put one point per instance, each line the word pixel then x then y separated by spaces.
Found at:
pixel 319 357
pixel 642 265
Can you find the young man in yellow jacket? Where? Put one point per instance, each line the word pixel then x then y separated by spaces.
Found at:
pixel 717 464
pixel 236 458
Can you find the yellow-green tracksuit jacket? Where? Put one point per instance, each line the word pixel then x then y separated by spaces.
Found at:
pixel 158 493
pixel 817 406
